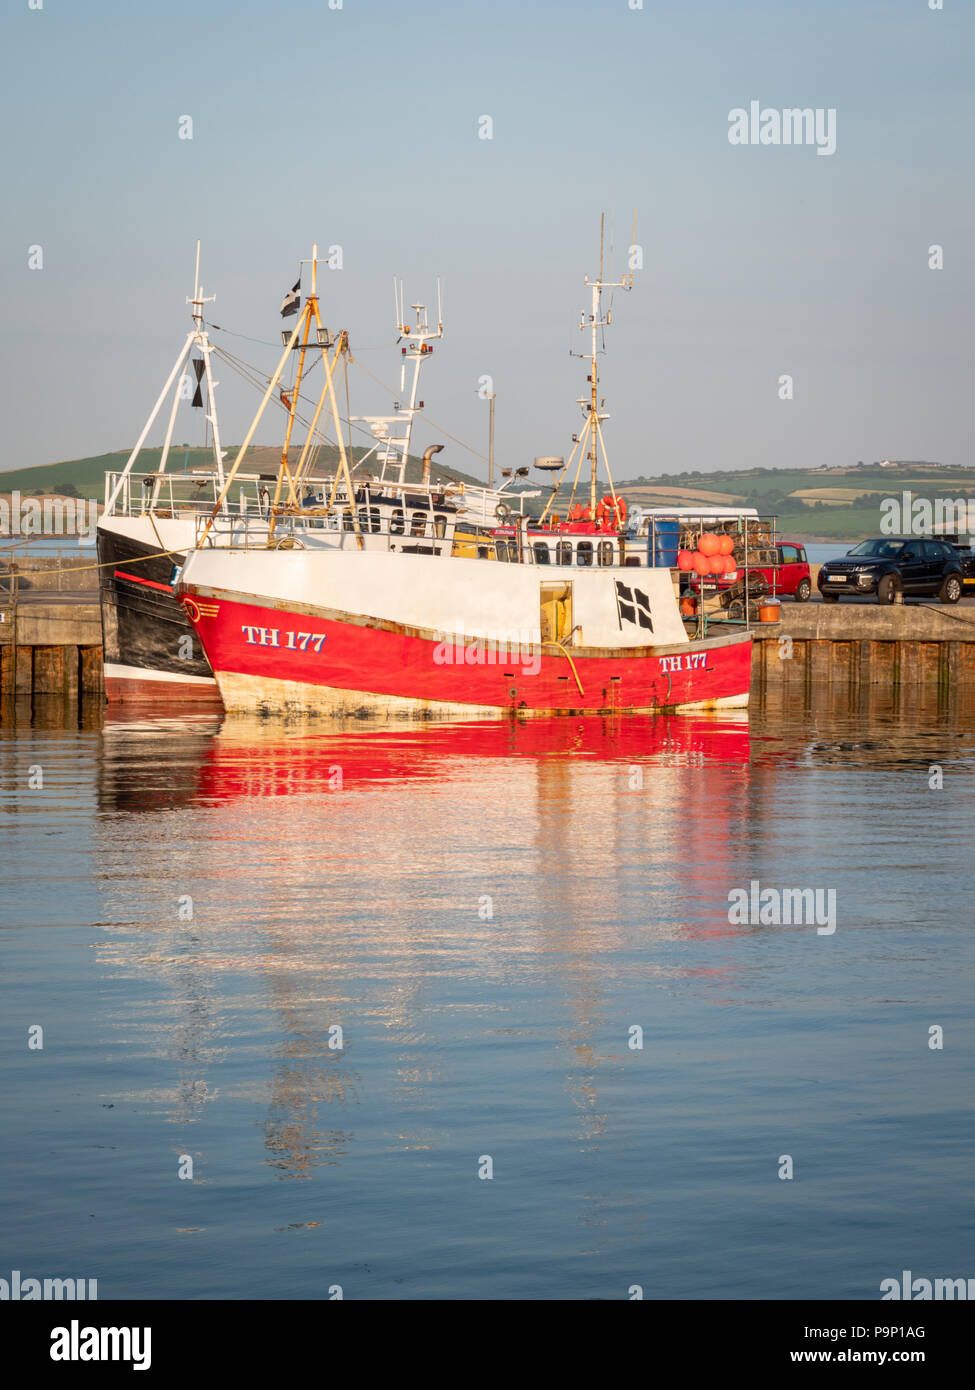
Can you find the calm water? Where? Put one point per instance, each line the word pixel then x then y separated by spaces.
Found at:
pixel 486 911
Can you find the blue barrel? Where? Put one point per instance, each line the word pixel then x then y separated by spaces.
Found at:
pixel 665 537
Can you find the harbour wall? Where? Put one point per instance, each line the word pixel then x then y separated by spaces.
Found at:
pixel 864 644
pixel 50 625
pixel 50 641
pixel 50 648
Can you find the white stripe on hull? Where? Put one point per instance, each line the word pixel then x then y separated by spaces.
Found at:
pixel 725 702
pixel 114 671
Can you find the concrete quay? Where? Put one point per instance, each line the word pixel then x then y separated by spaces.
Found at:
pixel 914 643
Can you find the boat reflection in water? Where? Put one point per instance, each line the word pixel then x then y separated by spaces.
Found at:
pixel 487 912
pixel 395 882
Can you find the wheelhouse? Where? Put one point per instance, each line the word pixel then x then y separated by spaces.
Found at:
pixel 562 548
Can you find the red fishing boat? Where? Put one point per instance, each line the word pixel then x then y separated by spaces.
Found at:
pixel 418 609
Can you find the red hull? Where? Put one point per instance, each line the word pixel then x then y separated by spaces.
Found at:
pixel 266 657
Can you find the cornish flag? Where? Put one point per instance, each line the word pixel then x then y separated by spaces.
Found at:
pixel 199 368
pixel 292 300
pixel 633 606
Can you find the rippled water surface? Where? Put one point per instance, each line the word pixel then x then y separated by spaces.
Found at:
pixel 487 912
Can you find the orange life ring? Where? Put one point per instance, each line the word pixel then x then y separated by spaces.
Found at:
pixel 612 509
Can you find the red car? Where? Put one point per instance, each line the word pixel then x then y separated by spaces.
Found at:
pixel 790 577
pixel 793 578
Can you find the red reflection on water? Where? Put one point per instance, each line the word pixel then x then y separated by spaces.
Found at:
pixel 255 760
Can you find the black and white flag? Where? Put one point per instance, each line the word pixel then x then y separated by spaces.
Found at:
pixel 633 606
pixel 292 300
pixel 199 367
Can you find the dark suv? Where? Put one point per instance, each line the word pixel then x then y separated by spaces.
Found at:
pixel 891 565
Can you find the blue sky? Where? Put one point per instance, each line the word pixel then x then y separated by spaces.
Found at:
pixel 358 127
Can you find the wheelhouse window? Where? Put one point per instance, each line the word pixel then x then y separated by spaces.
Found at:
pixel 502 549
pixel 440 525
pixel 564 553
pixel 418 524
pixel 540 551
pixel 606 552
pixel 369 519
pixel 348 520
pixel 397 522
pixel 584 553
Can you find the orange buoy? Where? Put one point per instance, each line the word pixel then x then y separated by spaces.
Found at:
pixel 685 560
pixel 708 544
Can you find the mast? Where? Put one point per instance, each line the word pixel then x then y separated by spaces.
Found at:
pixel 591 408
pixel 196 338
pixel 310 311
pixel 491 398
pixel 396 448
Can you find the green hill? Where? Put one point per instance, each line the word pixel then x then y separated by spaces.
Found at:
pixel 828 504
pixel 842 504
pixel 87 475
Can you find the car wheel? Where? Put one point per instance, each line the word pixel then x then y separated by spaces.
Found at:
pixel 887 588
pixel 950 589
pixel 831 598
pixel 803 590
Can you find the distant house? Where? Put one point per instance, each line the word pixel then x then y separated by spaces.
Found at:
pixel 910 463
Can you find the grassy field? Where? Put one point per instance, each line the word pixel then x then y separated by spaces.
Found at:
pixel 649 495
pixel 843 504
pixel 827 494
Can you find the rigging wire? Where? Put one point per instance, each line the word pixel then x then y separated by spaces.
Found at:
pixel 254 377
pixel 394 394
pixel 266 342
pixel 476 452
